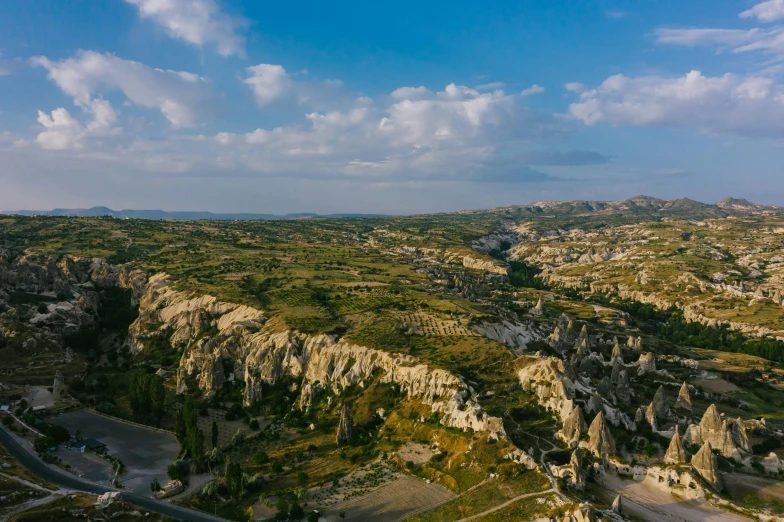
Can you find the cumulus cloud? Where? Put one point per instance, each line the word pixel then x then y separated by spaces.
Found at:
pixel 770 11
pixel 533 89
pixel 197 22
pixel 720 104
pixel 445 135
pixel 63 131
pixel 182 98
pixel 272 83
pixel 574 87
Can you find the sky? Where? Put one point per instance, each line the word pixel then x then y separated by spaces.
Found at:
pixel 394 108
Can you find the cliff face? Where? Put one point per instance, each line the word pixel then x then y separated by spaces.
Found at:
pixel 213 335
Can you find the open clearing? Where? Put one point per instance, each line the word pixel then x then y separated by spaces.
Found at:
pixel 415 452
pixel 392 502
pixel 146 452
pixel 649 502
pixel 716 385
pixel 740 485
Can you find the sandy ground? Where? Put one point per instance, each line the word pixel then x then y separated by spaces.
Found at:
pixel 395 501
pixel 740 485
pixel 146 453
pixel 716 385
pixel 648 502
pixel 415 452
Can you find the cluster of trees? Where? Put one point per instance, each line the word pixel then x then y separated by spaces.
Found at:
pixel 673 326
pixel 187 429
pixel 147 396
pixel 524 275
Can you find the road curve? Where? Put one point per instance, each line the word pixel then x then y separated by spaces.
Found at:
pixel 39 468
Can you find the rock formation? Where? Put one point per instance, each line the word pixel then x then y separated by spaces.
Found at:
pixel 346 425
pixel 600 440
pixel 683 402
pixel 58 388
pixel 739 435
pixel 546 377
pixel 595 404
pixel 676 454
pixel 618 367
pixel 647 363
pixel 617 354
pixel 661 407
pixel 253 388
pixel 537 310
pixel 617 506
pixel 576 470
pixel 257 355
pixel 704 463
pixel 574 427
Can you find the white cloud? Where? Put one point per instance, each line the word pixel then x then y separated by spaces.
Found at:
pixel 770 11
pixel 721 104
pixel 533 89
pixel 402 93
pixel 272 83
pixel 574 87
pixel 268 82
pixel 197 22
pixel 182 98
pixel 63 131
pixel 490 86
pixel 451 134
pixel 769 41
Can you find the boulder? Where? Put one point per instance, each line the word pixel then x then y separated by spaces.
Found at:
pixel 705 464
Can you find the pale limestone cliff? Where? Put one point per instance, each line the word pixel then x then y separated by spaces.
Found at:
pixel 259 356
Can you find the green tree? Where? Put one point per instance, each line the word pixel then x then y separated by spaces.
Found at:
pixel 296 512
pixel 234 480
pixel 155 486
pixel 173 471
pixel 260 458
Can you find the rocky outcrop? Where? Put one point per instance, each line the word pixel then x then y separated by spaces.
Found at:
pixel 58 388
pixel 729 437
pixel 676 454
pixel 537 310
pixel 574 427
pixel 346 425
pixel 576 470
pixel 704 463
pixel 600 441
pixel 683 402
pixel 514 335
pixel 617 506
pixel 546 377
pixel 661 408
pixel 646 363
pixel 233 344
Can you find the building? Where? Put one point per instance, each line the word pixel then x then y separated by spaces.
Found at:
pixel 91 444
pixel 5 410
pixel 171 488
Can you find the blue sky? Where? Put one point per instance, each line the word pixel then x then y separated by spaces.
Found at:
pixel 230 105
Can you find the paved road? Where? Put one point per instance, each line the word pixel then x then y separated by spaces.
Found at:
pixel 65 480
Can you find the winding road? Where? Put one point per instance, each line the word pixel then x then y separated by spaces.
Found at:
pixel 64 480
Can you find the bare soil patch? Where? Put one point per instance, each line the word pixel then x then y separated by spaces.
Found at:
pixel 415 452
pixel 395 501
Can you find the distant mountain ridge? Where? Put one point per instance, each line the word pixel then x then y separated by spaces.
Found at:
pixel 171 215
pixel 636 204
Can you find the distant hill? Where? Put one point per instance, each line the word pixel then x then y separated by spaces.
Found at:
pixel 175 215
pixel 637 205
